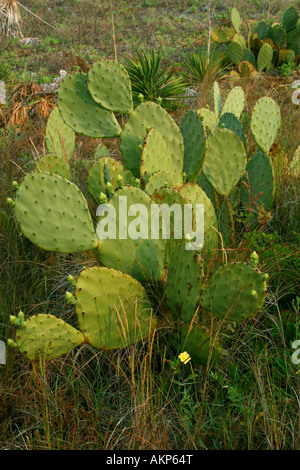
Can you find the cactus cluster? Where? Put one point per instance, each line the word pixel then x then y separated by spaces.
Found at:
pixel 268 45
pixel 204 161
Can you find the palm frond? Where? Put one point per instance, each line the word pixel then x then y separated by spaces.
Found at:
pixel 10 19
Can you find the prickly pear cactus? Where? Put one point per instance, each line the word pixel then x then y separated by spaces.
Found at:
pixel 201 164
pixel 113 311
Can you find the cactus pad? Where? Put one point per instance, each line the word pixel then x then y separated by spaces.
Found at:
pixel 195 195
pixel 235 102
pixel 156 156
pixel 230 294
pixel 230 121
pixel 264 58
pixel 106 167
pixel 194 144
pixel 110 86
pixel 290 18
pixel 156 181
pixel 217 99
pixel 47 336
pixel 143 257
pixel 209 119
pixel 235 52
pixel 199 344
pixel 141 120
pixel 53 214
pixel 225 160
pixel 235 19
pixel 113 308
pixel 259 185
pixel 101 151
pixel 265 122
pixel 184 281
pixel 60 138
pixel 81 112
pixel 222 34
pixel 54 164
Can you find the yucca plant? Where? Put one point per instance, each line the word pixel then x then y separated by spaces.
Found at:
pixel 10 18
pixel 201 67
pixel 152 81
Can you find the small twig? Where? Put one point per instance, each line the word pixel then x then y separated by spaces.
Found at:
pixel 29 11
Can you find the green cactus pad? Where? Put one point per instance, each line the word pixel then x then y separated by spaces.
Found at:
pixel 288 55
pixel 156 181
pixel 290 18
pixel 156 156
pixel 225 161
pixel 235 102
pixel 248 56
pixel 47 336
pixel 262 30
pixel 81 112
pixel 53 214
pixel 217 99
pixel 206 186
pixel 279 35
pixel 209 119
pixel 60 138
pixel 239 39
pixel 199 344
pixel 54 164
pixel 235 19
pixel 264 58
pixel 194 144
pixel 101 151
pixel 259 182
pixel 170 197
pixel 96 181
pixel 235 52
pixel 142 258
pixel 230 121
pixel 265 122
pixel 195 195
pixel 113 308
pixel 146 116
pixel 110 86
pixel 184 282
pixel 230 292
pixel 293 41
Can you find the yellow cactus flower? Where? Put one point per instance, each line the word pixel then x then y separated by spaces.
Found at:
pixel 184 357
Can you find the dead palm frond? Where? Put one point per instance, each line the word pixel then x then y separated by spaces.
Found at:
pixel 10 19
